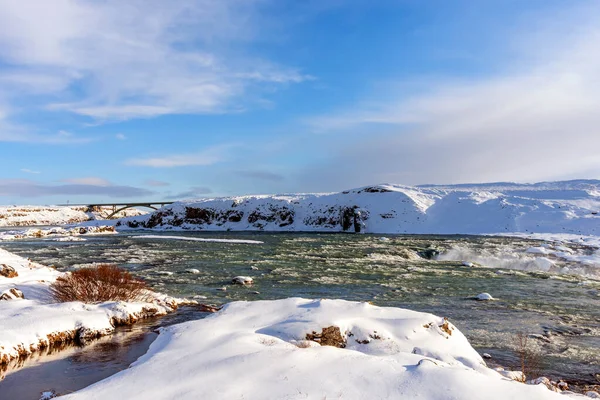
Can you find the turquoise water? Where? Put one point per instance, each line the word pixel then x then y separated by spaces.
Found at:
pixel 563 310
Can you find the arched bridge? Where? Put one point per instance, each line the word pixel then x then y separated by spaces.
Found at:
pixel 115 208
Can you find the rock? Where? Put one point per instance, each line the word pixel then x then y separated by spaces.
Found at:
pixel 542 380
pixel 7 271
pixel 222 289
pixel 467 264
pixel 242 280
pixel 192 271
pixel 11 294
pixel 48 395
pixel 593 395
pixel 487 356
pixel 330 336
pixel 429 254
pixel 484 297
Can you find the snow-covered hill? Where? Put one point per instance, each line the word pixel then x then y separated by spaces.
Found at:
pixel 56 215
pixel 551 207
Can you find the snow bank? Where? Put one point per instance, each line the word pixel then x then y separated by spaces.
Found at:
pixel 557 207
pixel 260 350
pixel 58 215
pixel 35 321
pixel 58 234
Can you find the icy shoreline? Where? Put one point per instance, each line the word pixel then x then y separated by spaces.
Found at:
pixel 31 320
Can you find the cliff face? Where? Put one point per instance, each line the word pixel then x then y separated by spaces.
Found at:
pixel 395 209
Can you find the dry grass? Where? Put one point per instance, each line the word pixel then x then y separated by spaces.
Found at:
pixel 105 282
pixel 529 356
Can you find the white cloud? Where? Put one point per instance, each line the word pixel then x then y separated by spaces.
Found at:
pixel 20 134
pixel 92 181
pixel 120 136
pixel 209 156
pixel 538 120
pixel 29 171
pixel 134 59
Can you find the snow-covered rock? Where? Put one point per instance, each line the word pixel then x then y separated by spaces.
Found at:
pixel 556 207
pixel 484 297
pixel 269 350
pixel 242 280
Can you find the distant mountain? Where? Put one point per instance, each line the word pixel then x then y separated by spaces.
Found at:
pixel 547 207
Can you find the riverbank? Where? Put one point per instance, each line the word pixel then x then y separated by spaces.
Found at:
pixel 32 320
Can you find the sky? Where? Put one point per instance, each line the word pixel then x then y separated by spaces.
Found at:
pixel 149 100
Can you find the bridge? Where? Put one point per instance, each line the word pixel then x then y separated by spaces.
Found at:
pixel 115 208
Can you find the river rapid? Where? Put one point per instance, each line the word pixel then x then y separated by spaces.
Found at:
pixel 556 305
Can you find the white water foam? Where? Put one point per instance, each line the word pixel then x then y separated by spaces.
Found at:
pixel 194 239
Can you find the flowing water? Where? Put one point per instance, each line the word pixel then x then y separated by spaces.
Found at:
pixel 559 309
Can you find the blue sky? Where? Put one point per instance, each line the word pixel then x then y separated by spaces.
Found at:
pixel 152 100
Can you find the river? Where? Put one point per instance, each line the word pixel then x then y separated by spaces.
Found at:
pixel 560 311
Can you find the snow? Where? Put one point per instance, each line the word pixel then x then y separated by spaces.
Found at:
pixel 556 207
pixel 56 215
pixel 36 320
pixel 259 350
pixel 58 234
pixel 484 297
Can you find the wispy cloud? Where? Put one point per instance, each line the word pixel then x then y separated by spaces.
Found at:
pixel 21 134
pixel 22 188
pixel 92 181
pixel 120 136
pixel 537 120
pixel 193 192
pixel 156 183
pixel 261 175
pixel 115 60
pixel 207 156
pixel 29 171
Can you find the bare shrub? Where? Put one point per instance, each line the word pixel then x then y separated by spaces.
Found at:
pixel 104 282
pixel 529 356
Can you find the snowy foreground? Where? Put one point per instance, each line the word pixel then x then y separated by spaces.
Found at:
pixel 571 207
pixel 31 320
pixel 259 350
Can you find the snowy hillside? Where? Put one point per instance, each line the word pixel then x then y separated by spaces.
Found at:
pixel 554 207
pixel 58 215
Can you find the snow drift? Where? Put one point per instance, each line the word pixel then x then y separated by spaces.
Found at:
pixel 311 349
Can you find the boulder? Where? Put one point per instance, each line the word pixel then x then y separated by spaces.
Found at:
pixel 242 280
